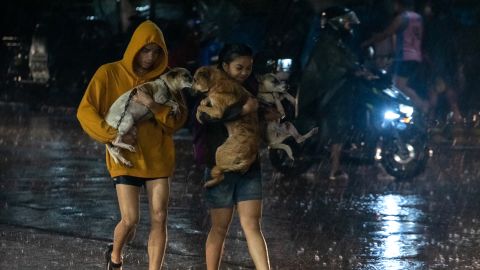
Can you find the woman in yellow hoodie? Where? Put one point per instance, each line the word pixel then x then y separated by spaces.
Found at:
pixel 153 162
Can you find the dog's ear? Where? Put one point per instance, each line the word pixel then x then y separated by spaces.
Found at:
pixel 204 73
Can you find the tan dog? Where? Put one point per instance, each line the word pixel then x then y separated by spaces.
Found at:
pixel 124 112
pixel 271 92
pixel 240 149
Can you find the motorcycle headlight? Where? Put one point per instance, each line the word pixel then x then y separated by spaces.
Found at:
pixel 390 115
pixel 407 110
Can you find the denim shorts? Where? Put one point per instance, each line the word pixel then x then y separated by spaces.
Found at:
pixel 131 180
pixel 234 188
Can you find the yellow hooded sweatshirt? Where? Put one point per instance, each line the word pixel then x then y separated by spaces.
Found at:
pixel 155 152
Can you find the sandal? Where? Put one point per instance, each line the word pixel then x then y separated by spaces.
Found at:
pixel 108 258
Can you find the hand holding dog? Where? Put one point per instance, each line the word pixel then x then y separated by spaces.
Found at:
pixel 250 106
pixel 144 99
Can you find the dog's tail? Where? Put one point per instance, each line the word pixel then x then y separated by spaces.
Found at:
pixel 217 175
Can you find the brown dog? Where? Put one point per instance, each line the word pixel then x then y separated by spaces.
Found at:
pixel 240 149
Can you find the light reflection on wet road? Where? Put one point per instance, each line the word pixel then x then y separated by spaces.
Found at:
pixel 53 177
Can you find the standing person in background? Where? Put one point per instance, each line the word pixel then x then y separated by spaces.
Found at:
pixel 408 30
pixel 325 97
pixel 442 56
pixel 242 192
pixel 153 162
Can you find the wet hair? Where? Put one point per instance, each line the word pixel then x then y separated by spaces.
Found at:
pixel 231 51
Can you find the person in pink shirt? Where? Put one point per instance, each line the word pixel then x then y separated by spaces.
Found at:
pixel 407 27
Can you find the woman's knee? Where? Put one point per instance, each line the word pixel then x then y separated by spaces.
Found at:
pixel 159 216
pixel 220 229
pixel 250 223
pixel 130 222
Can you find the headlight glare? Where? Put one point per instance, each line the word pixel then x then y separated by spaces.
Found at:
pixel 407 110
pixel 389 115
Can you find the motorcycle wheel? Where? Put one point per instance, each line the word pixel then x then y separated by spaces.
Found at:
pixel 282 163
pixel 405 163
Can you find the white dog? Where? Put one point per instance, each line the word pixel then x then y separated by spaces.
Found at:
pixel 124 112
pixel 271 92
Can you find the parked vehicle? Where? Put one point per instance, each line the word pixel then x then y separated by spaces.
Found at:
pixel 49 51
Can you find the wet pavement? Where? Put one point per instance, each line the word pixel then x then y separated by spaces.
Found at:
pixel 58 208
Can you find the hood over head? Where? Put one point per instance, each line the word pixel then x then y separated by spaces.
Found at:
pixel 147 32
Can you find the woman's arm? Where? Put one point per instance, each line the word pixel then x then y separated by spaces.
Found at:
pixel 233 112
pixel 88 112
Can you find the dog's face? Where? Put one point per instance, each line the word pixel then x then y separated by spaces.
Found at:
pixel 270 83
pixel 178 78
pixel 205 78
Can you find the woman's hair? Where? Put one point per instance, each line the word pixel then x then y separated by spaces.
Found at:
pixel 231 51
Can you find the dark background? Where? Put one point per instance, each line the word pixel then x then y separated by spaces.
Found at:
pixel 82 35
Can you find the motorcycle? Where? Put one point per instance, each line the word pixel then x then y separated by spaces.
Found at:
pixel 385 128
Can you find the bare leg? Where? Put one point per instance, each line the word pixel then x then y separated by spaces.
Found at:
pixel 158 191
pixel 221 219
pixel 335 155
pixel 128 200
pixel 250 213
pixel 402 84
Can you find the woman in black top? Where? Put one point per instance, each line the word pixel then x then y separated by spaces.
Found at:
pixel 240 191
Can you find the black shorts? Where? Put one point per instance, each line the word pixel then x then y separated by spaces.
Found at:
pixel 407 69
pixel 131 180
